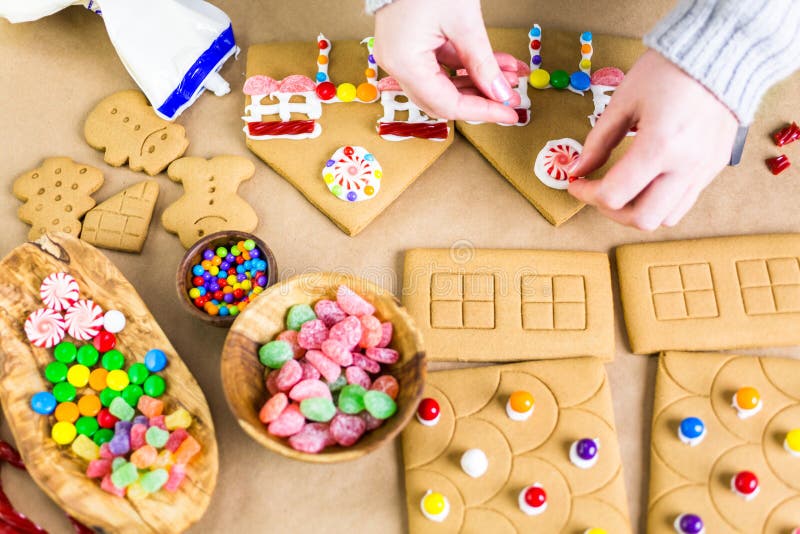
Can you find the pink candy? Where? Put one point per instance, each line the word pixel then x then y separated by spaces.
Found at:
pixel 176 475
pixel 108 486
pixel 337 351
pixel 289 375
pixel 352 303
pixel 371 332
pixel 329 312
pixel 312 334
pixel 308 389
pixel 273 408
pixel 387 356
pixel 98 468
pixel 386 338
pixel 356 375
pixel 313 438
pixel 175 439
pixel 309 371
pixel 370 366
pixel 138 432
pixel 271 382
pixel 347 429
pixel 388 384
pixel 348 331
pixel 329 369
pixel 290 336
pixel 290 422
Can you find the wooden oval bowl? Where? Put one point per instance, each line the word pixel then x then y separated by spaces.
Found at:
pixel 194 255
pixel 243 374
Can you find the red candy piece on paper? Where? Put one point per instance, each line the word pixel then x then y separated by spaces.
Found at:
pixel 313 438
pixel 370 366
pixel 290 336
pixel 388 356
pixel 348 331
pixel 337 351
pixel 329 312
pixel 787 135
pixel 329 369
pixel 290 422
pixel 352 303
pixel 347 429
pixel 273 408
pixel 371 332
pixel 778 164
pixel 312 334
pixel 388 384
pixel 356 375
pixel 290 374
pixel 308 389
pixel 386 337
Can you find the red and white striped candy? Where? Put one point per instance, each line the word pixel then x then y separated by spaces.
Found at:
pixel 45 328
pixel 59 291
pixel 84 320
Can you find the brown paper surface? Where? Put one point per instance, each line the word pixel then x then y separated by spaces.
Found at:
pixel 53 73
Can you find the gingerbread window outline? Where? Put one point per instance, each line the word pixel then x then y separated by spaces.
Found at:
pixel 548 301
pixel 462 297
pixel 676 287
pixel 768 289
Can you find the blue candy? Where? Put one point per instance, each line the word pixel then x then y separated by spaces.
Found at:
pixel 535 32
pixel 198 270
pixel 155 360
pixel 43 403
pixel 586 36
pixel 580 81
pixel 321 77
pixel 692 427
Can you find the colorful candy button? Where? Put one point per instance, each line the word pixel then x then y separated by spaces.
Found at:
pixel 539 78
pixel 43 403
pixel 692 431
pixel 64 392
pixel 154 386
pixel 86 426
pixel 138 373
pixel 56 372
pixel 117 379
pixel 346 92
pixel 63 433
pixel 584 453
pixel 792 442
pixel 97 379
pixel 428 412
pixel 745 485
pixel 88 355
pixel 114 321
pixel 155 360
pixel 105 341
pixel 689 524
pixel 747 402
pixel 112 360
pixel 533 499
pixel 580 81
pixel 434 506
pixel 78 375
pixel 65 352
pixel 67 411
pixel 105 419
pixel 520 405
pixel 474 462
pixel 559 79
pixel 89 405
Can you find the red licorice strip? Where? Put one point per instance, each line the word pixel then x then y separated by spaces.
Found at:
pixel 787 135
pixel 522 115
pixel 778 164
pixel 14 522
pixel 420 130
pixel 280 127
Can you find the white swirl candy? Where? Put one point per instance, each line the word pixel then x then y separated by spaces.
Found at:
pixel 59 291
pixel 84 320
pixel 45 328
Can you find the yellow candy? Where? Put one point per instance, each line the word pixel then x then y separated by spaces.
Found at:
pixel 539 79
pixel 378 174
pixel 97 379
pixel 63 432
pixel 231 280
pixel 793 440
pixel 246 285
pixel 78 375
pixel 521 401
pixel 67 411
pixel 164 460
pixel 84 447
pixel 747 398
pixel 586 64
pixel 214 270
pixel 117 380
pixel 434 503
pixel 328 178
pixel 258 290
pixel 346 92
pixel 136 492
pixel 595 531
pixel 180 418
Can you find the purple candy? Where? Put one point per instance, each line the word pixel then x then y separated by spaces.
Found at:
pixel 122 427
pixel 140 420
pixel 328 163
pixel 255 253
pixel 351 196
pixel 241 277
pixel 691 524
pixel 536 60
pixel 208 254
pixel 207 276
pixel 228 298
pixel 371 58
pixel 213 287
pixel 262 281
pixel 224 266
pixel 586 449
pixel 230 258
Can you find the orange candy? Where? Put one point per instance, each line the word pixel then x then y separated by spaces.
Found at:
pixel 144 456
pixel 89 405
pixel 67 411
pixel 367 92
pixel 97 379
pixel 521 401
pixel 370 73
pixel 586 49
pixel 150 407
pixel 747 398
pixel 388 384
pixel 187 450
pixel 322 60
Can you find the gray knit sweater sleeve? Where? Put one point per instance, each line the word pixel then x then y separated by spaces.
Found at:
pixel 375 5
pixel 738 49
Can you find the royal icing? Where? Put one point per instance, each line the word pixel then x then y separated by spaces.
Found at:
pixel 552 162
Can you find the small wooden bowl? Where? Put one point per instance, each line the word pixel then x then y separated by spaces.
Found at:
pixel 243 374
pixel 194 256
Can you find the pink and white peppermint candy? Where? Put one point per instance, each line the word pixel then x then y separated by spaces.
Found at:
pixel 45 328
pixel 84 320
pixel 59 291
pixel 296 83
pixel 553 161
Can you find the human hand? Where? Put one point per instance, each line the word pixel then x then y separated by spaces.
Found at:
pixel 413 38
pixel 684 139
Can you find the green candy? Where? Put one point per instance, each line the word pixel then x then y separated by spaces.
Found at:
pixel 113 360
pixel 118 462
pixel 86 426
pixel 299 314
pixel 337 384
pixel 138 373
pixel 379 404
pixel 107 396
pixel 156 437
pixel 319 409
pixel 559 79
pixel 351 399
pixel 125 475
pixel 275 353
pixel 249 244
pixel 88 355
pixel 64 392
pixel 154 386
pixel 131 394
pixel 56 372
pixel 121 409
pixel 65 352
pixel 152 481
pixel 104 435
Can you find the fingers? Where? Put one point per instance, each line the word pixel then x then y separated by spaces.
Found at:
pixel 610 129
pixel 654 206
pixel 689 199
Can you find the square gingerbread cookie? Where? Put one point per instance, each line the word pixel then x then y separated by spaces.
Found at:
pixel 725 452
pixel 474 460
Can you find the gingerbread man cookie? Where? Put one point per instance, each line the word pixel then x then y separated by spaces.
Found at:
pixel 125 126
pixel 210 202
pixel 56 196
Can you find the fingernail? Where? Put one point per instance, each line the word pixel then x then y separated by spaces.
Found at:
pixel 501 90
pixel 506 103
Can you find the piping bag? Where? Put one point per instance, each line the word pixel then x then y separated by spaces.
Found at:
pixel 173 49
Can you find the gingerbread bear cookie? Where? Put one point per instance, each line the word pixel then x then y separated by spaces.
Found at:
pixel 210 202
pixel 56 196
pixel 125 126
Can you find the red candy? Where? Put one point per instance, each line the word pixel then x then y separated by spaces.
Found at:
pixel 428 409
pixel 290 336
pixel 273 408
pixel 176 475
pixel 309 371
pixel 371 332
pixel 348 331
pixel 388 356
pixel 347 429
pixel 535 496
pixel 329 312
pixel 356 375
pixel 337 351
pixel 745 482
pixel 370 366
pixel 271 381
pixel 329 369
pixel 387 330
pixel 322 44
pixel 290 422
pixel 326 91
pixel 787 135
pixel 98 468
pixel 175 439
pixel 312 334
pixel 104 341
pixel 351 302
pixel 289 375
pixel 313 438
pixel 105 419
pixel 308 389
pixel 778 164
pixel 388 384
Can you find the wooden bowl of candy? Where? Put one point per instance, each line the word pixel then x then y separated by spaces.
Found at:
pixel 217 299
pixel 323 368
